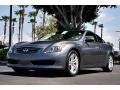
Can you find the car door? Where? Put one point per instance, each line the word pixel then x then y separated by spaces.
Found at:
pixel 103 50
pixel 90 50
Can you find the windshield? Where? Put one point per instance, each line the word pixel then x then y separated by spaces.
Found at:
pixel 63 35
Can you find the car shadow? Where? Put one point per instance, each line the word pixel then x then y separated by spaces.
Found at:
pixel 48 74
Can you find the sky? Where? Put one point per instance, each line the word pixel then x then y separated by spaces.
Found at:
pixel 4 9
pixel 107 16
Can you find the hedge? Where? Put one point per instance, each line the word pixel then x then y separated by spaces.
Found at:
pixel 3 53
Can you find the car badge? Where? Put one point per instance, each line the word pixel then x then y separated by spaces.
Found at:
pixel 25 50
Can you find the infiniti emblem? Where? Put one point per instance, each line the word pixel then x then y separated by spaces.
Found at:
pixel 25 50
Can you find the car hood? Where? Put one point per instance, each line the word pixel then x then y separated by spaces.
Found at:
pixel 37 44
pixel 42 44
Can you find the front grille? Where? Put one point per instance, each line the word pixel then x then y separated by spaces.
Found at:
pixel 26 50
pixel 43 62
pixel 11 61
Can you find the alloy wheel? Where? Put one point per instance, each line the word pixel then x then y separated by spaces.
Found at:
pixel 73 63
pixel 110 63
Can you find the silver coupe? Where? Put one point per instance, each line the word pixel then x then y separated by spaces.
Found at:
pixel 64 50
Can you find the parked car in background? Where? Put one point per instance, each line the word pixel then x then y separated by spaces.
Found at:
pixel 65 50
pixel 116 56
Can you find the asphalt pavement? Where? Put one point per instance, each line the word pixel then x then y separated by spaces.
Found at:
pixel 92 76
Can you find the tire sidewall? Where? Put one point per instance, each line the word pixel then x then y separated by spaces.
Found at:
pixel 67 62
pixel 110 56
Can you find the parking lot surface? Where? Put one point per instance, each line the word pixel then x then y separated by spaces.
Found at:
pixel 85 77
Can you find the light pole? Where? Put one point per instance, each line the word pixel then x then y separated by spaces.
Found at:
pixel 10 27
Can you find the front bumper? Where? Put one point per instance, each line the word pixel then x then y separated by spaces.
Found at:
pixel 40 60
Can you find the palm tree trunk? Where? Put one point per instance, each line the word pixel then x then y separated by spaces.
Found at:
pixel 34 28
pixel 22 23
pixel 21 31
pixel 19 34
pixel 95 28
pixel 101 32
pixel 5 25
pixel 32 31
pixel 71 16
pixel 81 18
pixel 13 27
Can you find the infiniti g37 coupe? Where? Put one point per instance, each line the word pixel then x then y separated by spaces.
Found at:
pixel 64 50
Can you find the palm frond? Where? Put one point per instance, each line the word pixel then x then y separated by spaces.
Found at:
pixel 101 25
pixel 32 14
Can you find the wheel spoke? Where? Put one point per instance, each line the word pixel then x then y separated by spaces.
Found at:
pixel 73 63
pixel 75 67
pixel 110 63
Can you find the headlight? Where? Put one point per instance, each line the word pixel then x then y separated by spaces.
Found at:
pixel 54 49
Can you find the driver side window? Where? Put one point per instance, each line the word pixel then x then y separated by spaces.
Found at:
pixel 90 37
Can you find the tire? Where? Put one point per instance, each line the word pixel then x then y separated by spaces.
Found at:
pixel 72 63
pixel 110 65
pixel 20 71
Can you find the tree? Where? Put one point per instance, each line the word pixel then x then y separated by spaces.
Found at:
pixel 22 18
pixel 5 19
pixel 21 14
pixel 44 19
pixel 13 24
pixel 95 24
pixel 101 26
pixel 32 21
pixel 33 15
pixel 49 28
pixel 72 16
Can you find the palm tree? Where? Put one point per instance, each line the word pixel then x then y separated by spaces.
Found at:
pixel 101 26
pixel 95 24
pixel 13 24
pixel 21 14
pixel 32 21
pixel 33 15
pixel 5 19
pixel 22 7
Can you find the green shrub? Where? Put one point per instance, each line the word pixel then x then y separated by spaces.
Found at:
pixel 3 53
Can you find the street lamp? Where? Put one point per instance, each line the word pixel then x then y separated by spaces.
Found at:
pixel 10 27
